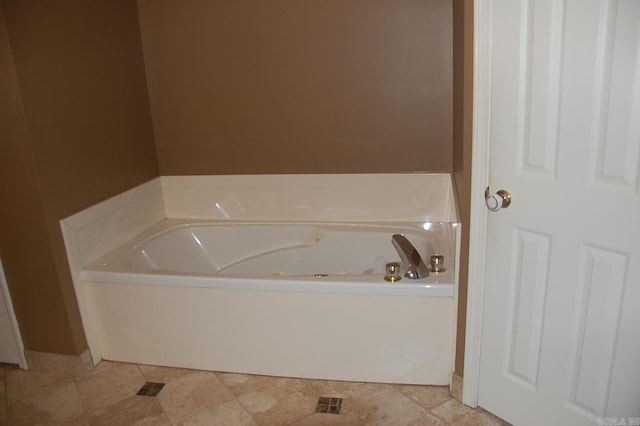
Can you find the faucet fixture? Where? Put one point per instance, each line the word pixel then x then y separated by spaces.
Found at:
pixel 416 268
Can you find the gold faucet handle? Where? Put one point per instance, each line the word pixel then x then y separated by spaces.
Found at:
pixel 393 272
pixel 437 263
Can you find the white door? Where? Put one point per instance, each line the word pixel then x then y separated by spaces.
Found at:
pixel 560 333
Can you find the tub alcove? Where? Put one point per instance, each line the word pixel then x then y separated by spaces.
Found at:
pixel 270 275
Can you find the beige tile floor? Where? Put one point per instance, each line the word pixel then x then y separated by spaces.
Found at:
pixel 108 396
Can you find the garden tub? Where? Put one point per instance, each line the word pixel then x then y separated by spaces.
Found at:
pixel 288 299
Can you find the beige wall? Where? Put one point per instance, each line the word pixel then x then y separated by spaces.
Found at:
pixel 75 129
pixel 289 86
pixel 462 144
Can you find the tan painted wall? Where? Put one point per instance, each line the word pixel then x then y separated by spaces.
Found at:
pixel 462 146
pixel 76 129
pixel 358 87
pixel 289 86
pixel 24 240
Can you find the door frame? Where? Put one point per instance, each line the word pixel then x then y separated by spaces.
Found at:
pixel 13 320
pixel 480 166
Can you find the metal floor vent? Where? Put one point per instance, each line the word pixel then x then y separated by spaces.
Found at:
pixel 150 389
pixel 329 405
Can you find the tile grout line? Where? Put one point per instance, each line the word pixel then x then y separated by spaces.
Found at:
pixel 437 416
pixel 85 411
pixel 235 398
pixel 300 419
pixel 414 402
pixel 427 410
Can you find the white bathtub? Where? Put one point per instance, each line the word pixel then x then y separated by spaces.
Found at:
pixel 288 299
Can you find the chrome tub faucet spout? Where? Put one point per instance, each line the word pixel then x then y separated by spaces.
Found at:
pixel 416 268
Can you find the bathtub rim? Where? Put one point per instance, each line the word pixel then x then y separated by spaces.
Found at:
pixel 337 284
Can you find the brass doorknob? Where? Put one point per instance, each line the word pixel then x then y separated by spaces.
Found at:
pixel 500 200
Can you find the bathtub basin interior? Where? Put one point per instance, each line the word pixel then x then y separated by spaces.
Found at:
pixel 275 250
